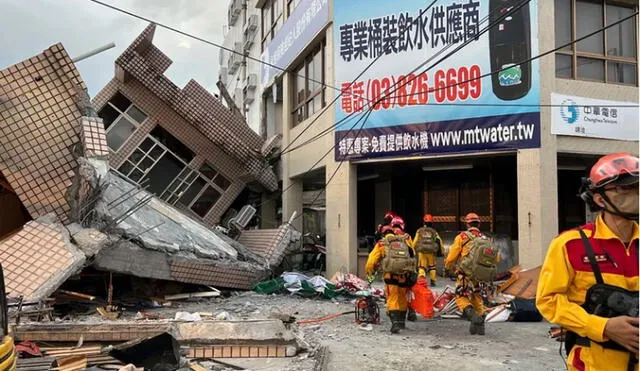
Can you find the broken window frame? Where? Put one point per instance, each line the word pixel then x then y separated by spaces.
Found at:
pixel 186 179
pixel 125 115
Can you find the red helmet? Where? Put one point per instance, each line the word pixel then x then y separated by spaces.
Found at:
pixel 397 221
pixel 389 215
pixel 611 167
pixel 472 217
pixel 386 229
pixel 427 218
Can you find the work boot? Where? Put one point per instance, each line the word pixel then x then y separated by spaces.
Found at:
pixel 402 316
pixel 477 324
pixel 471 315
pixel 411 315
pixel 397 320
pixel 480 325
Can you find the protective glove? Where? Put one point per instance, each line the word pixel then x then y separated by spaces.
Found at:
pixel 371 278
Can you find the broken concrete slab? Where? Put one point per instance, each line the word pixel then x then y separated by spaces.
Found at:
pixel 151 239
pixel 234 332
pixel 90 241
pixel 38 259
pixel 89 332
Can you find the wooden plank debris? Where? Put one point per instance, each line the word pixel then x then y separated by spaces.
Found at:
pixel 209 294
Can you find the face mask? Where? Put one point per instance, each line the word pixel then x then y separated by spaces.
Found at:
pixel 625 202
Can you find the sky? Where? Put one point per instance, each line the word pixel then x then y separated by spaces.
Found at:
pixel 81 26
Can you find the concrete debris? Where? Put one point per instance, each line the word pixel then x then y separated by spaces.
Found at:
pixel 148 238
pixel 236 332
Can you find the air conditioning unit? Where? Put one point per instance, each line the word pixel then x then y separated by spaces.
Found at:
pixel 248 43
pixel 252 81
pixel 249 95
pixel 234 63
pixel 235 8
pixel 252 24
pixel 235 59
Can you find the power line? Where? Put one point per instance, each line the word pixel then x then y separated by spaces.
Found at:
pixel 458 48
pixel 370 110
pixel 201 39
pixel 384 52
pixel 330 128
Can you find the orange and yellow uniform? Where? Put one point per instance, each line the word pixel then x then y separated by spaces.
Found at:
pixel 427 262
pixel 458 249
pixel 566 276
pixel 395 286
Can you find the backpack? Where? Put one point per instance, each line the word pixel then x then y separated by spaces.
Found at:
pixel 480 263
pixel 398 258
pixel 427 243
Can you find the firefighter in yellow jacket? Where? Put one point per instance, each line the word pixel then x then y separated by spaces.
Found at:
pixel 468 301
pixel 427 243
pixel 397 259
pixel 604 337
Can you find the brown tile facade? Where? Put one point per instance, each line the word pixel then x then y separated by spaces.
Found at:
pixel 192 114
pixel 94 138
pixel 161 114
pixel 39 125
pixel 238 351
pixel 31 257
pixel 207 274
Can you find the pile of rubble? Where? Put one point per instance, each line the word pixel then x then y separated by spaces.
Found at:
pixel 71 227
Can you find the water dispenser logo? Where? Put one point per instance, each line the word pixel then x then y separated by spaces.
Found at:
pixel 510 75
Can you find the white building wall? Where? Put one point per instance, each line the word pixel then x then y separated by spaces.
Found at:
pixel 242 84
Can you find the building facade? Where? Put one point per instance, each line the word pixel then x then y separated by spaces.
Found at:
pixel 181 144
pixel 480 126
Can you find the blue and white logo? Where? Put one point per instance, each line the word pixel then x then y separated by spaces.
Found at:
pixel 569 111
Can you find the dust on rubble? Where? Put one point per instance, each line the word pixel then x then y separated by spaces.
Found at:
pixel 439 344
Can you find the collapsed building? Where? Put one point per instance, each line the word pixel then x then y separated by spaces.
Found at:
pixel 135 186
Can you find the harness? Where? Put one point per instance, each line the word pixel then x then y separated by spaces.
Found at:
pixel 605 301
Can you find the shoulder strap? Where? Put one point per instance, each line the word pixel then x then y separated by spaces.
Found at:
pixel 470 237
pixel 592 258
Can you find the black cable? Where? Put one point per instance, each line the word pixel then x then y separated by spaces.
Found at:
pixel 198 38
pixel 246 55
pixel 409 80
pixel 370 109
pixel 384 52
pixel 330 128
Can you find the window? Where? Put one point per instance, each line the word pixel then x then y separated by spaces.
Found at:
pixel 308 97
pixel 609 56
pixel 272 20
pixel 197 190
pixel 121 118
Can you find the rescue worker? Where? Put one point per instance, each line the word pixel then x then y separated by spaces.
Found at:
pixel 568 272
pixel 469 301
pixel 427 243
pixel 388 216
pixel 398 284
pixel 397 223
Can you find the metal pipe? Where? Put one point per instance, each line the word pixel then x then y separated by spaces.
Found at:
pixel 93 52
